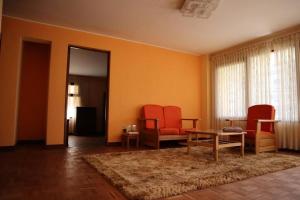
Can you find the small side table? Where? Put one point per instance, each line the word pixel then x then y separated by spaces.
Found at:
pixel 126 137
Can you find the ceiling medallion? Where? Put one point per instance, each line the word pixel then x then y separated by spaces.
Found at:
pixel 199 8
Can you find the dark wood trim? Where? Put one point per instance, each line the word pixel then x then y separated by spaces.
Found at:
pixel 107 90
pixel 12 148
pixel 42 142
pixel 55 146
pixel 87 76
pixel 7 148
pixel 285 150
pixel 66 122
pixel 114 144
pixel 107 96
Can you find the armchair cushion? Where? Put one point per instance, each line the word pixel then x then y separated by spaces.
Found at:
pixel 172 117
pixel 154 111
pixel 169 131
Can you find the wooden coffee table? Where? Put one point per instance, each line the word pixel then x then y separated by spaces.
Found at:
pixel 215 142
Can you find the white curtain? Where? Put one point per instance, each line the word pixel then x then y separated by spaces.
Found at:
pixel 230 82
pixel 261 73
pixel 286 64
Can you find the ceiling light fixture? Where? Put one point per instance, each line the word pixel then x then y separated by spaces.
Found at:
pixel 199 8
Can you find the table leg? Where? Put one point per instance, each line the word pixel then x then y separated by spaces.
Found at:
pixel 128 142
pixel 123 140
pixel 137 141
pixel 242 145
pixel 216 147
pixel 189 142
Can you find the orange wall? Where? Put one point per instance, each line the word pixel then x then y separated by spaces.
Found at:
pixel 205 100
pixel 33 96
pixel 139 74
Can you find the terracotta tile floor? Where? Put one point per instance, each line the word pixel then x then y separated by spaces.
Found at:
pixel 33 172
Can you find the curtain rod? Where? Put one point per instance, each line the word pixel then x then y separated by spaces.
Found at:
pixel 257 41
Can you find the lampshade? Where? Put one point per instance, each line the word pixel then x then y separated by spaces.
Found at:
pixel 73 89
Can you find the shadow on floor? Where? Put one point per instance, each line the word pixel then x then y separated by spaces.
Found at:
pixel 85 141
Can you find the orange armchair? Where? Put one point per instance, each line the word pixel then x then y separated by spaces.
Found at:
pixel 161 124
pixel 260 128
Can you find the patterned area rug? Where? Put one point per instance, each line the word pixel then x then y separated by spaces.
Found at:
pixel 152 174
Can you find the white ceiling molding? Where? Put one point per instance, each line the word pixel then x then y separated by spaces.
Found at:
pixel 199 8
pixel 160 23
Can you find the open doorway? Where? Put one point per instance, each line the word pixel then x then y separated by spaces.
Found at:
pixel 33 92
pixel 87 97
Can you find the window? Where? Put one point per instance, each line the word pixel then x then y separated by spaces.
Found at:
pixel 266 72
pixel 267 77
pixel 231 86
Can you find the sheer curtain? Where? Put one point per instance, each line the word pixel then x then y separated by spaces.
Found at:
pixel 286 64
pixel 230 79
pixel 261 73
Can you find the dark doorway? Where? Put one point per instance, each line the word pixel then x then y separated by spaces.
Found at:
pixel 33 93
pixel 87 97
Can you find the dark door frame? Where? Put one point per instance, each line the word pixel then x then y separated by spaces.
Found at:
pixel 107 91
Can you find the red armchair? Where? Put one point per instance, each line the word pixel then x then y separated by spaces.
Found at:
pixel 260 128
pixel 161 124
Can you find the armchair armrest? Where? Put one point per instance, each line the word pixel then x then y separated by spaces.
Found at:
pixel 259 124
pixel 268 121
pixel 150 136
pixel 194 119
pixel 156 121
pixel 191 119
pixel 145 119
pixel 260 121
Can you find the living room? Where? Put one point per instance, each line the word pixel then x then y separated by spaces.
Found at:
pixel 206 62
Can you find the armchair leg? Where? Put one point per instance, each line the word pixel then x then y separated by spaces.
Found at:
pixel 256 145
pixel 276 142
pixel 157 144
pixel 276 147
pixel 256 150
pixel 257 137
pixel 141 139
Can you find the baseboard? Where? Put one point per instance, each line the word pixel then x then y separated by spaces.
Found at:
pixel 55 146
pixel 113 144
pixel 51 146
pixel 288 150
pixel 41 142
pixel 7 148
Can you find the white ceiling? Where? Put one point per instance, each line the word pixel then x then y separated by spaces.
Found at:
pixel 88 63
pixel 160 23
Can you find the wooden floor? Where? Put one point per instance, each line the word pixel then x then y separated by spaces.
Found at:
pixel 33 172
pixel 85 141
